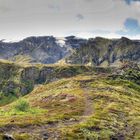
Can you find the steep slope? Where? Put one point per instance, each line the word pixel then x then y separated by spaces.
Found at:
pixel 94 105
pixel 49 50
pixel 106 52
pixel 17 80
pixel 45 49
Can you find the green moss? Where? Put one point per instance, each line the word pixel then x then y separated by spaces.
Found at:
pixel 83 103
pixel 24 136
pixel 22 105
pixel 6 99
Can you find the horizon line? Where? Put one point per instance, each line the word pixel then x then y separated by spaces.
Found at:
pixel 37 36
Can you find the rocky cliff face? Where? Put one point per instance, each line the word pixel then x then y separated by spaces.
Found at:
pixel 18 80
pixel 105 52
pixel 95 51
pixel 45 50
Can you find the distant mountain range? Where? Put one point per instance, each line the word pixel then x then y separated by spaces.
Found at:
pixel 72 50
pixel 39 101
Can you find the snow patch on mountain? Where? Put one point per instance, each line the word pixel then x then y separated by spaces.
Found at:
pixel 61 42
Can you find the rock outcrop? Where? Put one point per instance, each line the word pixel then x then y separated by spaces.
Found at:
pixel 106 52
pixel 18 80
pixel 49 50
pixel 45 49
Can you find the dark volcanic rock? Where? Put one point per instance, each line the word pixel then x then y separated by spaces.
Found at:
pixel 8 137
pixel 94 51
pixel 106 52
pixel 45 49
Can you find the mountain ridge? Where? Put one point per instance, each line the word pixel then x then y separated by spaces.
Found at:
pixel 96 51
pixel 72 101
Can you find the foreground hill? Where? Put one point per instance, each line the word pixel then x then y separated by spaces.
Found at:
pixel 17 80
pixel 72 50
pixel 81 102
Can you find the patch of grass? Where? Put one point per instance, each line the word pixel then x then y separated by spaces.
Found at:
pixel 20 107
pixel 125 83
pixel 115 104
pixel 6 99
pixel 24 136
pixel 116 109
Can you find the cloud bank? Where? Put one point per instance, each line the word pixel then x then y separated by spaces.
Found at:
pixel 85 18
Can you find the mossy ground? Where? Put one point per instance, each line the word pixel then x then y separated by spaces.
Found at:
pixel 88 106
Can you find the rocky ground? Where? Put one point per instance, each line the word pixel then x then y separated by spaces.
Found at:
pixel 92 104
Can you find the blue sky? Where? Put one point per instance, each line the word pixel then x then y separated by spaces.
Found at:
pixel 131 28
pixel 130 1
pixel 83 18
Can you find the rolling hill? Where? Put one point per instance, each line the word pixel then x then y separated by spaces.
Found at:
pixel 69 102
pixel 70 89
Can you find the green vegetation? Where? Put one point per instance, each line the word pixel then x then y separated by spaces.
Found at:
pixel 21 59
pixel 79 103
pixel 116 110
pixel 22 105
pixel 18 80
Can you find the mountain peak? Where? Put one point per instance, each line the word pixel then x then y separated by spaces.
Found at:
pixel 49 49
pixel 125 39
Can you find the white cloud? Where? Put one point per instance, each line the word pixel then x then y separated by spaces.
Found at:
pixel 59 17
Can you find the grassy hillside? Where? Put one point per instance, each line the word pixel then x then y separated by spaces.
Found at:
pixel 89 105
pixel 17 80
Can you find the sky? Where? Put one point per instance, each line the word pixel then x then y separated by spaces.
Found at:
pixel 82 18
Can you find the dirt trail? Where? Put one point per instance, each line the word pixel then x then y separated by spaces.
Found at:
pixel 89 110
pixel 88 104
pixel 41 130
